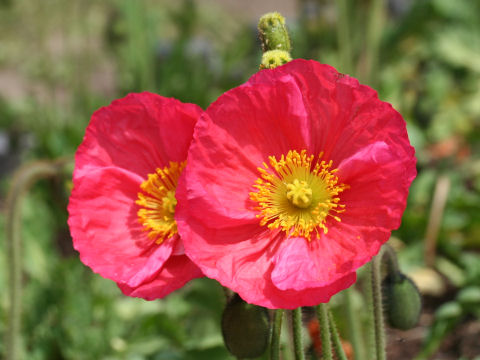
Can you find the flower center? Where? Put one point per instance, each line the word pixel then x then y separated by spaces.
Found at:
pixel 297 194
pixel 169 202
pixel 157 201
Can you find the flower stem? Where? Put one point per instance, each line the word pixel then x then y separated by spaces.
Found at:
pixel 440 197
pixel 337 344
pixel 343 36
pixel 353 325
pixel 23 179
pixel 367 288
pixel 228 293
pixel 373 37
pixel 276 331
pixel 392 261
pixel 322 314
pixel 297 333
pixel 377 307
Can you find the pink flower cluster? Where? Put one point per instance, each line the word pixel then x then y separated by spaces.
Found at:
pixel 280 190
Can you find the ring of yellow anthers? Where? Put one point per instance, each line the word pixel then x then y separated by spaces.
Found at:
pixel 296 194
pixel 157 201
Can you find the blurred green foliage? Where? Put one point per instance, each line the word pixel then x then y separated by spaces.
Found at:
pixel 61 60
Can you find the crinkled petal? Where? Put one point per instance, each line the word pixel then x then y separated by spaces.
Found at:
pixel 301 105
pixel 239 139
pixel 242 259
pixel 138 133
pixel 176 272
pixel 343 115
pixel 123 143
pixel 105 228
pixel 363 227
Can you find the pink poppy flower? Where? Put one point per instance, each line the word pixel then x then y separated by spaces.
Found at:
pixel 123 200
pixel 293 181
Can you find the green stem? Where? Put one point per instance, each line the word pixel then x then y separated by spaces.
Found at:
pixel 337 343
pixel 354 325
pixel 228 293
pixel 276 331
pixel 439 201
pixel 367 287
pixel 23 179
pixel 297 334
pixel 377 307
pixel 322 314
pixel 392 261
pixel 373 37
pixel 343 36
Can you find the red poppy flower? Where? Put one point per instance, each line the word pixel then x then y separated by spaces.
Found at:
pixel 123 200
pixel 294 180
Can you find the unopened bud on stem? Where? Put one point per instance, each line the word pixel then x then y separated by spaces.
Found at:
pixel 273 32
pixel 245 328
pixel 403 302
pixel 272 59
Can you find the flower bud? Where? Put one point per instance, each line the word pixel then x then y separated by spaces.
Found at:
pixel 272 59
pixel 403 302
pixel 245 328
pixel 273 32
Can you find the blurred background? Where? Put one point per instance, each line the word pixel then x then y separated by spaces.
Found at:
pixel 61 60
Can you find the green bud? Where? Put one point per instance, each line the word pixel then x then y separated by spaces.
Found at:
pixel 273 32
pixel 272 59
pixel 403 302
pixel 245 328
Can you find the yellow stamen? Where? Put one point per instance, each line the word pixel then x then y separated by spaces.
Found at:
pixel 157 201
pixel 296 194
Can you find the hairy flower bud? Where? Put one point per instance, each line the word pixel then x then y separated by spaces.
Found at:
pixel 273 32
pixel 402 302
pixel 272 59
pixel 245 328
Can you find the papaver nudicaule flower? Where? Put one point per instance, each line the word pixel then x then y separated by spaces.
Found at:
pixel 123 201
pixel 293 181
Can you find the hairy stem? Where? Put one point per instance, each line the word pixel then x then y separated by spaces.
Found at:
pixel 392 261
pixel 276 332
pixel 370 325
pixel 297 334
pixel 337 343
pixel 353 325
pixel 373 37
pixel 23 179
pixel 377 307
pixel 440 197
pixel 322 314
pixel 343 35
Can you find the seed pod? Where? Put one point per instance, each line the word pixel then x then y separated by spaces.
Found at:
pixel 403 302
pixel 245 328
